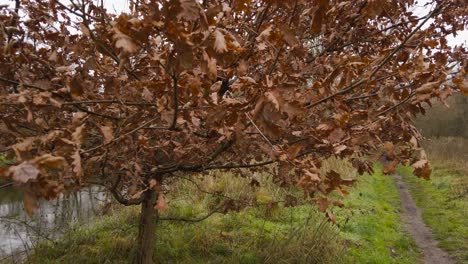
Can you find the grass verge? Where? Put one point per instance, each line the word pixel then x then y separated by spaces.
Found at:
pixel 368 229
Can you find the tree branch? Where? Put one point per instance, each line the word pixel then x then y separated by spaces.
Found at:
pixel 176 102
pixel 121 136
pixel 397 105
pixel 119 197
pixel 110 102
pixel 192 220
pixel 379 65
pixel 62 97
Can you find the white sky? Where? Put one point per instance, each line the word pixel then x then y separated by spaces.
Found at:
pixel 119 6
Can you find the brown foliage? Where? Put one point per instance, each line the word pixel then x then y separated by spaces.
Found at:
pixel 185 86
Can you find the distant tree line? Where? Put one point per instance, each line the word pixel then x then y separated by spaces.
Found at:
pixel 440 121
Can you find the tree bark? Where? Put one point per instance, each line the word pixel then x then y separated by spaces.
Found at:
pixel 146 229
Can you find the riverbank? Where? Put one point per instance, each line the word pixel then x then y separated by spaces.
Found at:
pixel 368 230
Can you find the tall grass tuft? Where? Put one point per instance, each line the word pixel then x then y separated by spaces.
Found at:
pixel 450 154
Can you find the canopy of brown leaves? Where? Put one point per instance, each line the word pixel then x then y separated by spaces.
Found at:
pixel 186 86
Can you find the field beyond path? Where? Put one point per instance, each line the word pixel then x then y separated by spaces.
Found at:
pixel 422 235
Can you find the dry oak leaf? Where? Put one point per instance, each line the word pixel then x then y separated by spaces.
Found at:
pixel 124 42
pixel 30 203
pixel 294 150
pixel 190 10
pixel 76 86
pixel 427 87
pixel 77 168
pixel 77 135
pixel 212 70
pixel 147 95
pixel 23 146
pixel 220 42
pixel 161 202
pixel 107 133
pixel 24 172
pixel 50 161
pixel 422 169
pixel 85 30
pixel 289 36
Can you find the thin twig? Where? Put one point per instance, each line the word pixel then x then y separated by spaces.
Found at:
pixel 259 131
pixel 109 102
pixel 120 137
pixel 397 105
pixel 6 185
pixel 379 65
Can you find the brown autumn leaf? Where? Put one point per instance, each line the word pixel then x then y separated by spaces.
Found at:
pixel 317 20
pixel 76 86
pixel 30 203
pixel 294 150
pixel 24 172
pixel 220 41
pixel 78 134
pixel 243 68
pixel 85 30
pixel 264 34
pixel 161 202
pixel 389 148
pixel 212 71
pixel 77 169
pixel 190 10
pixel 390 166
pixel 461 81
pixel 427 87
pixel 147 95
pixel 289 36
pixel 331 217
pixel 23 146
pixel 271 97
pixel 336 135
pixel 422 169
pixel 124 42
pixel 107 133
pixel 50 161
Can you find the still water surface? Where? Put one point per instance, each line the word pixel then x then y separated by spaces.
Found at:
pixel 19 233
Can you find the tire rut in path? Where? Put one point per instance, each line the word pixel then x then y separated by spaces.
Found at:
pixel 421 234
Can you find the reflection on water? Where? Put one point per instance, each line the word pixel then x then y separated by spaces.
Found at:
pixel 19 233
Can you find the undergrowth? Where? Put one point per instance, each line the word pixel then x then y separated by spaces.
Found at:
pixel 368 229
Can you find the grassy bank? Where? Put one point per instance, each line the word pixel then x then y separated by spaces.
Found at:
pixel 444 199
pixel 368 230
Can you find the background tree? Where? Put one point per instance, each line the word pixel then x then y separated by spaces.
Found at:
pixel 179 87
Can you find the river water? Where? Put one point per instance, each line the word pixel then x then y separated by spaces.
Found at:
pixel 19 233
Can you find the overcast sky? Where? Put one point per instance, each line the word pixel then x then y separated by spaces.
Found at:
pixel 119 6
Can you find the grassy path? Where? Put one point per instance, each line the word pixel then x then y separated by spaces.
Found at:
pixel 444 204
pixel 371 223
pixel 422 235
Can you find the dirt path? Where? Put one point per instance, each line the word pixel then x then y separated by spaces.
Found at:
pixel 422 235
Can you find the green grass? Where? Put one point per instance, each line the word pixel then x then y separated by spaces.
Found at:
pixel 368 230
pixel 293 236
pixel 444 204
pixel 371 224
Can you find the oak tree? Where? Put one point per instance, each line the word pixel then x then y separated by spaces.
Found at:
pixel 179 87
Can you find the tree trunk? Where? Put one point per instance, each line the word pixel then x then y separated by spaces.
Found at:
pixel 146 229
